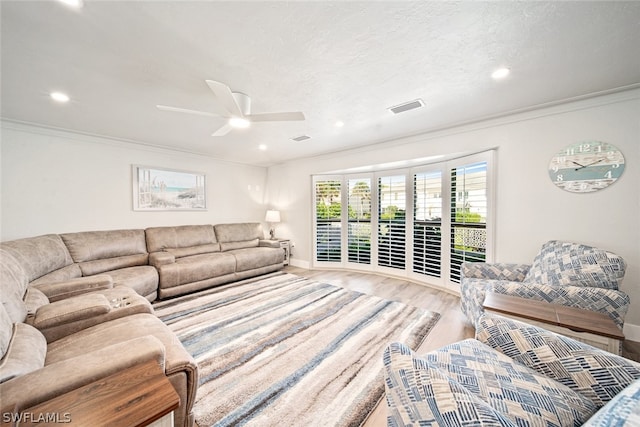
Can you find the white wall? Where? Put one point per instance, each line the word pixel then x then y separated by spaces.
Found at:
pixel 530 209
pixel 56 182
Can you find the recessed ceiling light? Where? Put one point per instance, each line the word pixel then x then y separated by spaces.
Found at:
pixel 262 147
pixel 500 73
pixel 239 123
pixel 339 124
pixel 73 3
pixel 59 96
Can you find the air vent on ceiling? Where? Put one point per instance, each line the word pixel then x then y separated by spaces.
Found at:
pixel 406 106
pixel 301 138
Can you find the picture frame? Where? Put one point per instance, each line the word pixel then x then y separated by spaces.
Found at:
pixel 161 189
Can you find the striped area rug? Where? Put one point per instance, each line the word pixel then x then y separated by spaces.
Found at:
pixel 282 350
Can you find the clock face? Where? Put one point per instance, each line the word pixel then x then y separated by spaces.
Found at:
pixel 586 166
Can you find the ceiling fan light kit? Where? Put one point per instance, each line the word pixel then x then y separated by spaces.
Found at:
pixel 238 108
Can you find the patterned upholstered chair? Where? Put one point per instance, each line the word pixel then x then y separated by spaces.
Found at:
pixel 562 273
pixel 511 374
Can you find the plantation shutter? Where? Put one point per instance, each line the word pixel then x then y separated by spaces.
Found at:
pixel 328 209
pixel 391 221
pixel 427 223
pixel 468 216
pixel 359 222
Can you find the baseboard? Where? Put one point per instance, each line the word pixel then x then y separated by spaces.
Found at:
pixel 631 332
pixel 299 263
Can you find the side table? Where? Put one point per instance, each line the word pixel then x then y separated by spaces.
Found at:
pixel 285 244
pixel 139 396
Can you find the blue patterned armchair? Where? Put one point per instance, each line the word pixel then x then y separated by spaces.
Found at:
pixel 512 374
pixel 564 273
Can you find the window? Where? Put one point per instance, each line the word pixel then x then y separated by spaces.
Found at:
pixel 427 223
pixel 328 221
pixel 468 216
pixel 391 221
pixel 359 223
pixel 421 222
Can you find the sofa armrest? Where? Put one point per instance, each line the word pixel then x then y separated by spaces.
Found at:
pixel 70 310
pixel 268 243
pixel 494 271
pixel 158 259
pixel 594 373
pixel 61 377
pixel 61 290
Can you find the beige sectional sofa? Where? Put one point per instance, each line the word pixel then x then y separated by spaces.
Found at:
pixel 76 307
pixel 193 257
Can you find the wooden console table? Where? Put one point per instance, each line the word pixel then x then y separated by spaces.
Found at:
pixel 590 327
pixel 139 396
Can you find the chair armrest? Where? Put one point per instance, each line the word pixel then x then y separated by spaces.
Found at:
pixel 594 373
pixel 158 259
pixel 268 243
pixel 61 290
pixel 61 377
pixel 494 271
pixel 70 310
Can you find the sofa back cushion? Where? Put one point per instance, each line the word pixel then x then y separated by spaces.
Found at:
pixel 13 286
pixel 25 353
pixel 239 235
pixel 100 251
pixel 189 238
pixel 564 263
pixel 39 255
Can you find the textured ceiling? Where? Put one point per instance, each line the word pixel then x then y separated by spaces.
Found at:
pixel 339 60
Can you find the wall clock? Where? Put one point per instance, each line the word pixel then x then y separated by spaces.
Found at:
pixel 587 166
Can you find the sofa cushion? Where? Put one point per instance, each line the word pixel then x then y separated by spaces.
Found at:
pixel 100 251
pixel 39 255
pixel 517 393
pixel 6 330
pixel 26 352
pixel 564 263
pixel 239 232
pixel 143 279
pixel 228 246
pixel 420 394
pixel 194 250
pixel 61 275
pixel 621 411
pixel 251 258
pixel 196 268
pixel 184 236
pixel 13 286
pixel 509 387
pixel 596 374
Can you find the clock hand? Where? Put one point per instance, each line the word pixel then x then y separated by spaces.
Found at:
pixel 585 166
pixel 576 163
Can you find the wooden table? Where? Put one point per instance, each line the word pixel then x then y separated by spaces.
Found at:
pixel 591 327
pixel 139 396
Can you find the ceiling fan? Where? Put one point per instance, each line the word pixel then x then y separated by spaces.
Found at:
pixel 238 107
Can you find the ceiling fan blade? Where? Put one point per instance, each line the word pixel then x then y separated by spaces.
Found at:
pixel 225 129
pixel 184 110
pixel 224 95
pixel 276 117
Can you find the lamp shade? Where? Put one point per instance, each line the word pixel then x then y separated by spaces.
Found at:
pixel 272 216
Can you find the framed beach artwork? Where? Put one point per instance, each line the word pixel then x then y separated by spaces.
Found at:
pixel 158 189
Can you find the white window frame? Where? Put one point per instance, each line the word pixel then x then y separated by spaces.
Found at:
pixel 444 168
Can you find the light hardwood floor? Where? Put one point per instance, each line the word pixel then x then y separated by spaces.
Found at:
pixel 451 327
